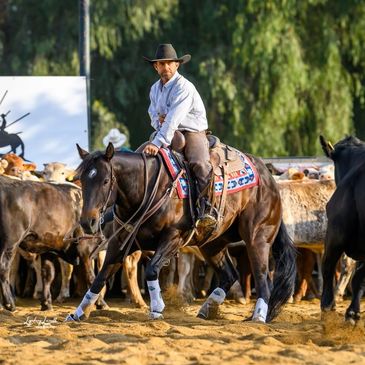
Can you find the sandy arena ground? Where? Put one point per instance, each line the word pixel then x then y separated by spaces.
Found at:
pixel 124 335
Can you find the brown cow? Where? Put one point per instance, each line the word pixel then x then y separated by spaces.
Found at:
pixel 40 218
pixel 16 165
pixel 304 213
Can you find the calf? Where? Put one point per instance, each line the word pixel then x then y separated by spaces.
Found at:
pixel 39 218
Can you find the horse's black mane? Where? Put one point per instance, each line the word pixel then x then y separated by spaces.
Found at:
pixel 93 156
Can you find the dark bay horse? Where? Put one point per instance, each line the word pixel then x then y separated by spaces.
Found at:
pixel 346 220
pixel 147 209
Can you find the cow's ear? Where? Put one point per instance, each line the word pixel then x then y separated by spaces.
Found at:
pixel 29 166
pixel 326 146
pixel 82 152
pixel 109 152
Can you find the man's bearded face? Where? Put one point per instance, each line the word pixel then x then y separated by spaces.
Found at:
pixel 166 69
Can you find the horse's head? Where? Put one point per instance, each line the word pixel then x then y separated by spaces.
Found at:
pixel 98 186
pixel 345 154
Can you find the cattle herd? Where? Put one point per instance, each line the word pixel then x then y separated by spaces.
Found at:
pixel 44 252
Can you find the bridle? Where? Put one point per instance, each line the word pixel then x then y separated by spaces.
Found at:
pixel 145 209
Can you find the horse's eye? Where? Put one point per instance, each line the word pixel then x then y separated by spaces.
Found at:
pixel 106 181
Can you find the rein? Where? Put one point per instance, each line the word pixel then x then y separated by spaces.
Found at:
pixel 145 207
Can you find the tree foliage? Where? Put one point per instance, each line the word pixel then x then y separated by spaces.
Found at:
pixel 273 74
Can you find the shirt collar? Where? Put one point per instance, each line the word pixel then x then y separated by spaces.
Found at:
pixel 170 82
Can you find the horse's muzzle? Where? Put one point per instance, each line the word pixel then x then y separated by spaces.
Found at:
pixel 90 225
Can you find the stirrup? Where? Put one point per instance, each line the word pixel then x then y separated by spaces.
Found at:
pixel 206 221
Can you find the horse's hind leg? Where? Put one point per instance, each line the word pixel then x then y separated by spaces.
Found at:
pixel 358 288
pixel 227 274
pixel 331 256
pixel 258 250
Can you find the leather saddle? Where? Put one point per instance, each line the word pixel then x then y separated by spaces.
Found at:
pixel 221 155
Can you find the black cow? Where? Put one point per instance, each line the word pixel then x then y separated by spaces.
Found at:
pixel 346 220
pixel 41 218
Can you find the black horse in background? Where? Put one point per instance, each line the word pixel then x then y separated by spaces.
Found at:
pixel 346 220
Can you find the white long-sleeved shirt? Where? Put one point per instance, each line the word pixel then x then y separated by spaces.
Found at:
pixel 179 100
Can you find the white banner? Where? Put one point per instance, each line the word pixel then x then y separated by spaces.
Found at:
pixel 57 118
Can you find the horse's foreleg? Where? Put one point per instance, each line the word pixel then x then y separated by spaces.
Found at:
pixel 167 248
pixel 358 288
pixel 227 274
pixel 91 296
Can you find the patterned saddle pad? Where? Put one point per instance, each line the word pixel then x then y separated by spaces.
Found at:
pixel 245 175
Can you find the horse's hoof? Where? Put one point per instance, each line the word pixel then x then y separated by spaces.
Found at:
pixel 352 316
pixel 258 319
pixel 102 306
pixel 209 310
pixel 74 318
pixel 10 307
pixel 61 298
pixel 330 308
pixel 240 300
pixel 46 306
pixel 155 315
pixel 141 305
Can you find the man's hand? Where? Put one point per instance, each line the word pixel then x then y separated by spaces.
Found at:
pixel 151 149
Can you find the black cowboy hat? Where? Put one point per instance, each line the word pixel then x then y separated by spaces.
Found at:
pixel 166 52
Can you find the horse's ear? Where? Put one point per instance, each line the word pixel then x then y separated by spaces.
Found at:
pixel 82 152
pixel 326 147
pixel 109 152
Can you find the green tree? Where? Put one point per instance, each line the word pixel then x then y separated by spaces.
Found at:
pixel 273 74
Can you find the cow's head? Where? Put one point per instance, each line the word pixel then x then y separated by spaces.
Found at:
pixel 16 165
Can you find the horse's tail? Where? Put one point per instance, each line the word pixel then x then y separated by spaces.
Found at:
pixel 284 254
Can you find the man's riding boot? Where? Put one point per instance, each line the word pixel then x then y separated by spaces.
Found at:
pixel 206 218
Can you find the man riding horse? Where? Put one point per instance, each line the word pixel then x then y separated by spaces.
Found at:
pixel 177 105
pixel 147 217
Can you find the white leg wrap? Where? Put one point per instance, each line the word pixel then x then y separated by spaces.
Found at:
pixel 157 304
pixel 88 300
pixel 260 311
pixel 209 310
pixel 218 295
